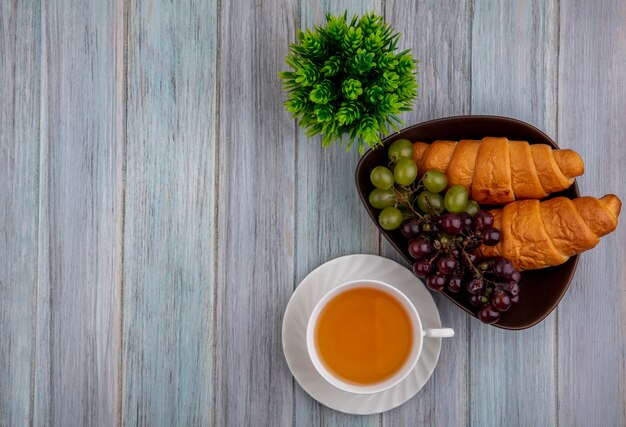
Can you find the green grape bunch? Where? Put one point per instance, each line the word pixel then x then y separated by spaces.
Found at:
pixel 346 79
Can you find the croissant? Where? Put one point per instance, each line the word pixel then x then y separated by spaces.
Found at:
pixel 538 234
pixel 498 171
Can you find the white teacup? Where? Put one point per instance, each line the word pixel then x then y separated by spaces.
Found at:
pixel 419 333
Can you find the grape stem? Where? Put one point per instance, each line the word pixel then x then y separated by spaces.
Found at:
pixel 488 283
pixel 405 200
pixel 477 271
pixel 471 264
pixel 434 257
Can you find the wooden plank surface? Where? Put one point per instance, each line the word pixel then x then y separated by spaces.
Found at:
pixel 330 221
pixel 591 359
pixel 158 206
pixel 517 82
pixel 80 201
pixel 444 79
pixel 19 178
pixel 170 214
pixel 256 218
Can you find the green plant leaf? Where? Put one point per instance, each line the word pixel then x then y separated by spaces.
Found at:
pixel 322 93
pixel 351 89
pixel 346 82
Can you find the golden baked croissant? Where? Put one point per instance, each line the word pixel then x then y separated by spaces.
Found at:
pixel 536 234
pixel 498 171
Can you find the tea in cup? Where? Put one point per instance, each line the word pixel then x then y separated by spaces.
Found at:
pixel 366 336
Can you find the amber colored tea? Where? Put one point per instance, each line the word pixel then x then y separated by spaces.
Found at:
pixel 364 336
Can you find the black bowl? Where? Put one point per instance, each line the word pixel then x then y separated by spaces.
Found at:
pixel 541 290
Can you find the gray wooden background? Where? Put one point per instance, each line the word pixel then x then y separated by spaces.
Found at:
pixel 158 206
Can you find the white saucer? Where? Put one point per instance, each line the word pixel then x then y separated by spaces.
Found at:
pixel 310 291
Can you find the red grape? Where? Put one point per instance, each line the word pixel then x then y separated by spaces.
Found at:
pixel 419 248
pixel 475 300
pixel 422 268
pixel 482 220
pixel 512 288
pixel 436 282
pixel 446 264
pixel 411 228
pixel 466 220
pixel 516 276
pixel 488 314
pixel 503 268
pixel 491 236
pixel 475 286
pixel 451 223
pixel 501 301
pixel 455 284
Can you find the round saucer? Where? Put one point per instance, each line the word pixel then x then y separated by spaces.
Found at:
pixel 310 291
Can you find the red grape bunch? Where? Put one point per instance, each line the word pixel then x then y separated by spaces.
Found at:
pixel 444 233
pixel 444 248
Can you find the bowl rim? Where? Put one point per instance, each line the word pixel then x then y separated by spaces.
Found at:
pixel 504 119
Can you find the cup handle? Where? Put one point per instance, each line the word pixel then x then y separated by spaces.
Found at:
pixel 439 333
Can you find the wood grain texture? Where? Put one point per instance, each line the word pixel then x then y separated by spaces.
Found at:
pixel 515 49
pixel 514 68
pixel 444 79
pixel 20 52
pixel 80 202
pixel 330 221
pixel 158 206
pixel 255 249
pixel 592 316
pixel 169 255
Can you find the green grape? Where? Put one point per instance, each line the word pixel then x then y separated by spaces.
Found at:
pixel 400 148
pixel 390 218
pixel 405 171
pixel 430 202
pixel 381 199
pixel 472 208
pixel 435 180
pixel 381 177
pixel 456 198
